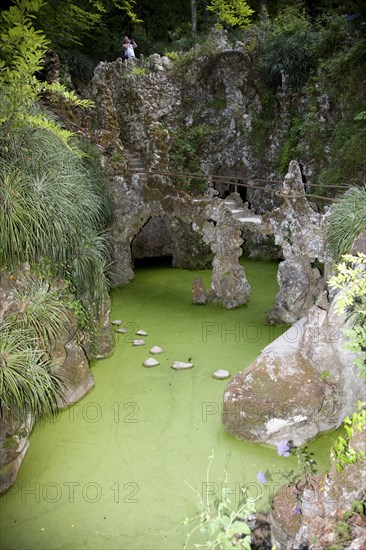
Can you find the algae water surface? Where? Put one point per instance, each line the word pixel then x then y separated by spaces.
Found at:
pixel 115 470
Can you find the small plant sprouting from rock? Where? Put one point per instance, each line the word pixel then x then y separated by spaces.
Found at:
pixel 342 451
pixel 300 477
pixel 222 526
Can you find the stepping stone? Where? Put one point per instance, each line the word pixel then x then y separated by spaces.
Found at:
pixel 156 349
pixel 179 365
pixel 221 374
pixel 141 333
pixel 122 330
pixel 138 343
pixel 151 362
pixel 116 322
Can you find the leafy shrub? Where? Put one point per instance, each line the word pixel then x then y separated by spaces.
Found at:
pixel 351 279
pixel 23 50
pixel 235 13
pixel 187 152
pixel 288 49
pixel 342 450
pixel 39 310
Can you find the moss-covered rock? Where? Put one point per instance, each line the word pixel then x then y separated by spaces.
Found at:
pixel 278 397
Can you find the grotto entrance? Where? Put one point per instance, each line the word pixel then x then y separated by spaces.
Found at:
pixel 153 244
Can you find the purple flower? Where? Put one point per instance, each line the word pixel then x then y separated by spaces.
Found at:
pixel 261 477
pixel 297 511
pixel 283 449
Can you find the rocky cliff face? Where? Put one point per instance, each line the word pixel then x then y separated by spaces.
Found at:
pixel 149 108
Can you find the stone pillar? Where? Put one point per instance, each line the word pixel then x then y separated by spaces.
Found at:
pixel 229 285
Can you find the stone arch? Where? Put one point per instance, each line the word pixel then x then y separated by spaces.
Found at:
pixel 154 240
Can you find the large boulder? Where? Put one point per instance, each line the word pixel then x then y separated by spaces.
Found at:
pixel 302 384
pixel 280 396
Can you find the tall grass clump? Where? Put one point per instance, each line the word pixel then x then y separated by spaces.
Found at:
pixel 347 221
pixel 27 384
pixel 50 208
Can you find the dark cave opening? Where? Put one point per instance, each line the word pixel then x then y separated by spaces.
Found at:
pixel 153 261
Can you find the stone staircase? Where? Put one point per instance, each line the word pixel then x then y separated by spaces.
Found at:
pixel 241 214
pixel 136 165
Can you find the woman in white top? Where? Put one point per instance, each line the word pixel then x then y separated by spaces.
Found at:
pixel 129 46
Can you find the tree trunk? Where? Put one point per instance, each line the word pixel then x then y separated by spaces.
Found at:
pixel 194 17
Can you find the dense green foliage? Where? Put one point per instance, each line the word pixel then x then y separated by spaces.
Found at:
pixel 51 209
pixel 347 221
pixel 188 147
pixel 233 13
pixel 53 212
pixel 350 279
pixel 343 452
pixel 23 49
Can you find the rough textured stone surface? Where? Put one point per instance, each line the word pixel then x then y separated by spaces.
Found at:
pixel 279 397
pixel 102 343
pixel 359 245
pixel 14 443
pixel 300 232
pixel 199 295
pixel 155 350
pixel 153 240
pixel 300 286
pixel 74 373
pixel 145 110
pixel 221 374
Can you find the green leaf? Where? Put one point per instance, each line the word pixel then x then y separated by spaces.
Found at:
pixel 238 527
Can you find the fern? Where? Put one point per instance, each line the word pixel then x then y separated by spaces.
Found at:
pixel 23 50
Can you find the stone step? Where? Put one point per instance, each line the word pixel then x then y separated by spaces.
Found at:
pixel 238 212
pixel 136 164
pixel 250 219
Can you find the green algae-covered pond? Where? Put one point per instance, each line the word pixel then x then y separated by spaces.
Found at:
pixel 113 471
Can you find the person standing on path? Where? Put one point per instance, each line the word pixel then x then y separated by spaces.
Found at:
pixel 129 46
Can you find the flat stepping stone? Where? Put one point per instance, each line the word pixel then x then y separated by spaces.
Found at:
pixel 156 349
pixel 138 343
pixel 122 330
pixel 179 365
pixel 141 333
pixel 221 374
pixel 116 322
pixel 151 362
